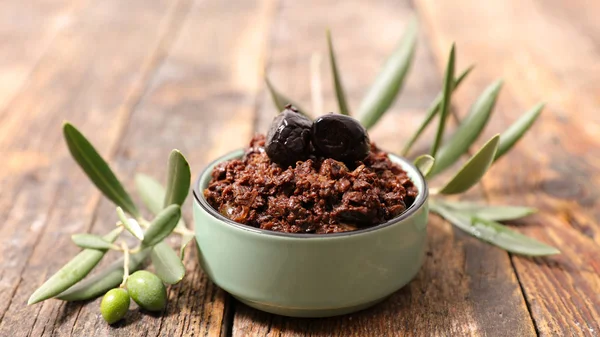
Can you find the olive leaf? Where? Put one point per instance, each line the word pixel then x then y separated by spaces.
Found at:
pixel 108 278
pixel 473 170
pixel 151 191
pixel 388 83
pixel 178 179
pixel 281 101
pixel 424 163
pixel 162 225
pixel 97 169
pixel 153 195
pixel 167 265
pixel 131 225
pixel 72 272
pixel 92 241
pixel 469 129
pixel 434 108
pixel 445 104
pixel 495 233
pixel 337 81
pixel 514 132
pixel 488 212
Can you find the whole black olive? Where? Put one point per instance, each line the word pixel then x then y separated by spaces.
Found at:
pixel 288 139
pixel 340 137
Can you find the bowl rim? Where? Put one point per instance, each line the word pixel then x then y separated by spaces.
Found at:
pixel 415 207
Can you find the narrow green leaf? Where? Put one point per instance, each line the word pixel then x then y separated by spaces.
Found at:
pixel 514 132
pixel 101 282
pixel 433 110
pixel 388 83
pixel 281 100
pixel 512 241
pixel 162 225
pixel 473 170
pixel 178 179
pixel 167 264
pixel 72 272
pixel 496 234
pixel 185 240
pixel 153 195
pixel 337 81
pixel 468 131
pixel 445 104
pixel 424 163
pixel 97 169
pixel 92 241
pixel 489 212
pixel 151 191
pixel 131 225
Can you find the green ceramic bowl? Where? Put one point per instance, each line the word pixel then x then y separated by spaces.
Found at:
pixel 311 275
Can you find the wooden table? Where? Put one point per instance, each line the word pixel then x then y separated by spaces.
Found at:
pixel 140 77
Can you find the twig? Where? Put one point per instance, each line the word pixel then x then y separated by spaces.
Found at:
pixel 125 263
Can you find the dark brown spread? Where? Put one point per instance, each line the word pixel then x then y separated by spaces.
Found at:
pixel 318 195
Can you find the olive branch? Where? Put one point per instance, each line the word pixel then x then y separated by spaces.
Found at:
pixel 480 221
pixel 67 284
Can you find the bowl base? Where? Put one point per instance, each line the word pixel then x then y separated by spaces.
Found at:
pixel 308 312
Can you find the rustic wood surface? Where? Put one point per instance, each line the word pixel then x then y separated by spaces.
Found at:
pixel 141 77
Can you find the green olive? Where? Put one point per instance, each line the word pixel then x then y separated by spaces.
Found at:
pixel 147 290
pixel 114 305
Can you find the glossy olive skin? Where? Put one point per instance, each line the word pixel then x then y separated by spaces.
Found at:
pixel 288 138
pixel 114 305
pixel 147 290
pixel 340 137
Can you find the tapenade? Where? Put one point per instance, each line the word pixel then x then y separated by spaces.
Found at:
pixel 315 195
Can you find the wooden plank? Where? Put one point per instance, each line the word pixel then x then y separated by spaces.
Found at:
pixel 91 76
pixel 465 287
pixel 543 53
pixel 195 92
pixel 27 29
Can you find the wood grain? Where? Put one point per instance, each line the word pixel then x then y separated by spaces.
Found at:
pixel 77 79
pixel 27 29
pixel 462 279
pixel 558 160
pixel 52 197
pixel 214 105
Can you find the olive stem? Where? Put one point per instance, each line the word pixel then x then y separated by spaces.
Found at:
pixel 178 230
pixel 143 222
pixel 125 264
pixel 135 250
pixel 120 230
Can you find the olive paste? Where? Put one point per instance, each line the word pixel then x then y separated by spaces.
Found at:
pixel 316 194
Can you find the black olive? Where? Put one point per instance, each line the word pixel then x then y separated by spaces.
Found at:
pixel 340 137
pixel 288 139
